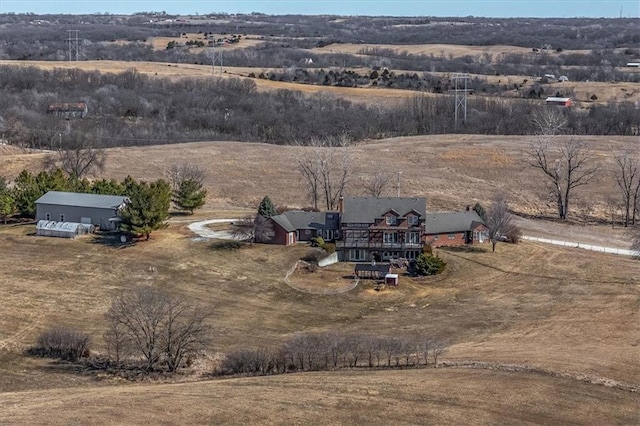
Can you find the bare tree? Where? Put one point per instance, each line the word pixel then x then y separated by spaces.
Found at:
pixel 184 332
pixel 160 328
pixel 500 222
pixel 326 167
pixel 627 177
pixel 179 173
pixel 253 228
pixel 549 121
pixel 566 167
pixel 78 158
pixel 377 183
pixel 437 348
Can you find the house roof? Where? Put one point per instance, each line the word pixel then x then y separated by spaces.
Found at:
pixel 442 223
pixel 367 209
pixel 557 99
pixel 78 199
pixel 282 221
pixel 313 220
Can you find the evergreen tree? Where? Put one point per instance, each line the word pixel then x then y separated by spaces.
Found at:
pixel 266 208
pixel 190 195
pixel 427 264
pixel 107 187
pixel 147 208
pixel 25 192
pixel 7 206
pixel 7 203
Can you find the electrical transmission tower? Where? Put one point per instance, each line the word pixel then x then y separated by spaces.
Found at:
pixel 461 89
pixel 216 58
pixel 74 45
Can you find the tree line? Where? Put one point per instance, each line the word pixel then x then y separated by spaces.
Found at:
pixel 332 351
pixel 132 109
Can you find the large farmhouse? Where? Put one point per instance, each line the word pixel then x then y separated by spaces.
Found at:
pixel 93 209
pixel 380 228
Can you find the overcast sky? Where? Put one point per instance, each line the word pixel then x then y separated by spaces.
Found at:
pixel 488 8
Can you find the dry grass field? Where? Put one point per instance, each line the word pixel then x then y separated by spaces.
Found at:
pixel 391 397
pixel 571 313
pixel 437 50
pixel 452 171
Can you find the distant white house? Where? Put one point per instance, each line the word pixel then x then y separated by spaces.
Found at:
pixel 563 78
pixel 633 64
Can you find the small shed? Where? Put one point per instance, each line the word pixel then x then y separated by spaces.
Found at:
pixel 50 228
pixel 555 100
pixel 391 279
pixel 377 271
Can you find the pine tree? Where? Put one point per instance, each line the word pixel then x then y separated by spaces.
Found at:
pixel 190 195
pixel 25 192
pixel 7 206
pixel 427 264
pixel 266 208
pixel 147 208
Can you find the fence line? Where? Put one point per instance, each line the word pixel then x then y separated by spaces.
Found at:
pixel 611 250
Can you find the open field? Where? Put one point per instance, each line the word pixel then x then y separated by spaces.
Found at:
pixel 160 43
pixel 451 171
pixel 444 50
pixel 374 398
pixel 571 312
pixel 574 313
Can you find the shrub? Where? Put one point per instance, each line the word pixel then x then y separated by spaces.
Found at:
pixel 63 343
pixel 317 241
pixel 427 264
pixel 330 248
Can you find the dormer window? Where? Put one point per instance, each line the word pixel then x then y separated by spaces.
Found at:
pixel 413 220
pixel 390 220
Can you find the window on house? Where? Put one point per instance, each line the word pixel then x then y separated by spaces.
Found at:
pixel 48 216
pixel 452 236
pixel 391 220
pixel 413 237
pixel 61 218
pixel 413 220
pixel 307 231
pixel 390 237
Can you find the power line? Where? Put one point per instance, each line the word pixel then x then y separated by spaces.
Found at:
pixel 74 45
pixel 461 91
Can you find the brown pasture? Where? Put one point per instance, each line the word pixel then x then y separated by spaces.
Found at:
pixel 388 397
pixel 571 313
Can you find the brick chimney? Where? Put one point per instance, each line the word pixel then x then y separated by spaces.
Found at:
pixel 341 204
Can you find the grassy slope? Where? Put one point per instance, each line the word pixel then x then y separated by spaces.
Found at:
pixel 450 170
pixel 390 397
